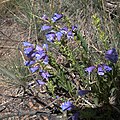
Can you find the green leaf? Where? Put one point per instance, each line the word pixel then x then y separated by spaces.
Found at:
pixel 83 42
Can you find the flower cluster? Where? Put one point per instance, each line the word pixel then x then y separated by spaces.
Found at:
pixel 65 31
pixel 111 55
pixel 101 69
pixel 36 54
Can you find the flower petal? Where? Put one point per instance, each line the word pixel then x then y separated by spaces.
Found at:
pixel 28 50
pixel 112 55
pixel 28 63
pixel 83 92
pixel 45 61
pixel 70 35
pixel 56 17
pixel 34 69
pixel 45 46
pixel 44 74
pixel 64 30
pixel 26 44
pixel 45 27
pixel 107 68
pixel 100 70
pixel 59 35
pixel 74 28
pixel 90 69
pixel 67 106
pixel 50 36
pixel 40 82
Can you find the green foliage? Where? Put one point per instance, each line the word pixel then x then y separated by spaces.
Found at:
pixel 100 33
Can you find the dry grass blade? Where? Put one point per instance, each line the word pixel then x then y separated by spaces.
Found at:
pixel 12 78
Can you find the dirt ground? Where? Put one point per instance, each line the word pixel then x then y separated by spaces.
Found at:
pixel 11 103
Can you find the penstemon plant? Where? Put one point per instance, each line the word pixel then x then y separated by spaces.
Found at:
pixel 63 66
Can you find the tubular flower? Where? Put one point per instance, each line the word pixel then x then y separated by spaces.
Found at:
pixel 90 69
pixel 56 17
pixel 29 63
pixel 83 92
pixel 64 30
pixel 50 36
pixel 44 74
pixel 40 55
pixel 40 82
pixel 67 106
pixel 45 46
pixel 74 28
pixel 112 55
pixel 45 27
pixel 38 48
pixel 45 61
pixel 102 69
pixel 34 69
pixel 59 35
pixel 70 35
pixel 28 50
pixel 107 68
pixel 27 44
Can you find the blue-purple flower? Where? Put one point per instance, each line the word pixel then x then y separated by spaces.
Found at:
pixel 46 60
pixel 45 27
pixel 70 35
pixel 38 48
pixel 50 36
pixel 45 46
pixel 67 106
pixel 83 92
pixel 44 74
pixel 59 35
pixel 56 17
pixel 40 82
pixel 112 55
pixel 28 50
pixel 34 69
pixel 40 55
pixel 90 69
pixel 74 28
pixel 107 68
pixel 27 44
pixel 102 69
pixel 64 30
pixel 29 63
